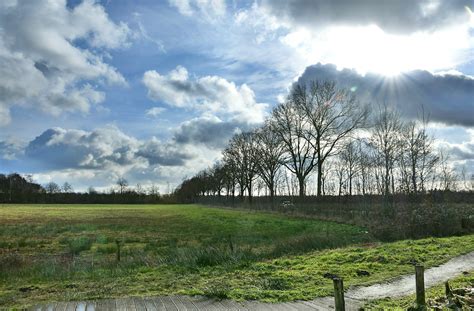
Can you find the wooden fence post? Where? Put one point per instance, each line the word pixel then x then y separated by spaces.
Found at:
pixel 420 285
pixel 339 294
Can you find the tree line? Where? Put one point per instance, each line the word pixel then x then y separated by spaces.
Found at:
pixel 15 188
pixel 350 147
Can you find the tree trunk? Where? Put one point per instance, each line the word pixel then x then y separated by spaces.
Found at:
pixel 350 181
pixel 249 188
pixel 320 178
pixel 272 194
pixel 413 178
pixel 302 186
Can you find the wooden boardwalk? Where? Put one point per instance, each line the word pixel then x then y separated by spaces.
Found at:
pixel 183 303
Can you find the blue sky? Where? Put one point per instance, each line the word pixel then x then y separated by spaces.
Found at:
pixel 151 90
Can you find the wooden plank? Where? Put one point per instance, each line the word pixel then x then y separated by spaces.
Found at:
pixel 71 306
pixel 208 304
pixel 257 306
pixel 90 305
pixel 159 304
pixel 49 307
pixel 105 305
pixel 61 306
pixel 139 304
pixel 231 305
pixel 149 304
pixel 120 304
pixel 130 304
pixel 81 306
pixel 202 303
pixel 187 303
pixel 177 302
pixel 168 303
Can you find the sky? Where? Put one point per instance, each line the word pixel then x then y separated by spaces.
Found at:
pixel 91 91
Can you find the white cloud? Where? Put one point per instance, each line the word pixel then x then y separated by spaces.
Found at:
pixel 206 7
pixel 155 111
pixel 41 62
pixel 103 148
pixel 211 95
pixel 99 157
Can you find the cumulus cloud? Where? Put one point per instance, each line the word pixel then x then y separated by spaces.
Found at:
pixel 212 95
pixel 401 16
pixel 103 148
pixel 211 132
pixel 41 61
pixel 446 97
pixel 100 156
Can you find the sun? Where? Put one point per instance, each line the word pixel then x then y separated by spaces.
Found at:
pixel 370 49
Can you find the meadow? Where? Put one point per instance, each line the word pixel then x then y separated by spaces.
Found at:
pixel 69 252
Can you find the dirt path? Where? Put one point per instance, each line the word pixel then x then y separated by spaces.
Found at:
pixel 354 297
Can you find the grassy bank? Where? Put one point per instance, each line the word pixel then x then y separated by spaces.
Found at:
pixel 69 252
pixel 432 294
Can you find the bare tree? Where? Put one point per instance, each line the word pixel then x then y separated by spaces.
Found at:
pixel 139 189
pixel 350 159
pixel 447 176
pixel 291 126
pixel 52 188
pixel 333 115
pixel 269 152
pixel 385 140
pixel 153 190
pixel 340 172
pixel 365 165
pixel 123 184
pixel 241 155
pixel 417 159
pixel 67 188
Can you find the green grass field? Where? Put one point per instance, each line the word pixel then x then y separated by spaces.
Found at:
pixel 66 252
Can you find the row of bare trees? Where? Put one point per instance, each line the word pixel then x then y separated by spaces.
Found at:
pixel 324 131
